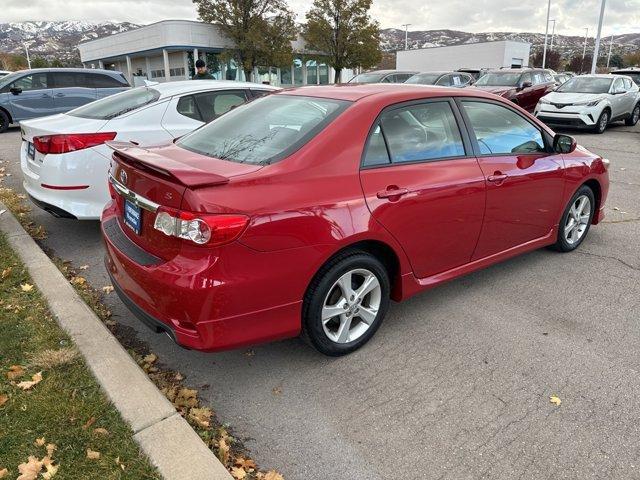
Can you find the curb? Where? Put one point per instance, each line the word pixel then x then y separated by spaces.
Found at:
pixel 169 442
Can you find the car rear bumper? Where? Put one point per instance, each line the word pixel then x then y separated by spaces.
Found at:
pixel 72 184
pixel 208 303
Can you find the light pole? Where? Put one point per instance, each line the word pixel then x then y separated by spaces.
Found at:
pixel 553 32
pixel 584 50
pixel 597 46
pixel 610 47
pixel 26 49
pixel 406 35
pixel 546 33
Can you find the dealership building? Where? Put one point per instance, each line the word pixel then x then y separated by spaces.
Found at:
pixel 497 54
pixel 166 51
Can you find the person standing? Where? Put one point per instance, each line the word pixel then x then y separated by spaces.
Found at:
pixel 202 72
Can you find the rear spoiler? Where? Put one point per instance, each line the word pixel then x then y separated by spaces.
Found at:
pixel 149 161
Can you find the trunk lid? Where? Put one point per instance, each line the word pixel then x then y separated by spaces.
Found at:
pixel 57 124
pixel 162 175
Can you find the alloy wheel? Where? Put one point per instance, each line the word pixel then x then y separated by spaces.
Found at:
pixel 603 122
pixel 636 114
pixel 577 220
pixel 351 306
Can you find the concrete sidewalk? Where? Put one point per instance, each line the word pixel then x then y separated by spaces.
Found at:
pixel 172 446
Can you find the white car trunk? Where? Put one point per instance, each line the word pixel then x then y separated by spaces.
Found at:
pixel 57 124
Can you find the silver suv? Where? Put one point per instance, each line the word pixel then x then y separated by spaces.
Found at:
pixel 47 91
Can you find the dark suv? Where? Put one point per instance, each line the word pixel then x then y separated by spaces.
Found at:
pixel 523 87
pixel 46 91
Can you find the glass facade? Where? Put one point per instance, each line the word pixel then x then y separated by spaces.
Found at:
pixel 297 71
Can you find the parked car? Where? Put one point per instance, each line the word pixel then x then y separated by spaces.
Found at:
pixel 4 73
pixel 632 72
pixel 476 73
pixel 592 102
pixel 523 87
pixel 560 78
pixel 444 79
pixel 65 160
pixel 46 91
pixel 383 76
pixel 329 201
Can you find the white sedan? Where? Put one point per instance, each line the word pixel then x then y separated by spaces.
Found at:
pixel 64 158
pixel 591 102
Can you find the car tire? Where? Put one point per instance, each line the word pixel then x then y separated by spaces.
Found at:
pixel 350 328
pixel 635 116
pixel 603 122
pixel 4 121
pixel 576 220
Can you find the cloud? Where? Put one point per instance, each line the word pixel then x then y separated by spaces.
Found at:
pixel 573 16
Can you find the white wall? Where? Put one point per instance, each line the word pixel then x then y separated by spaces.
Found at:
pixel 473 55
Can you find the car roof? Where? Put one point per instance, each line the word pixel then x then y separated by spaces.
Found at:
pixel 81 70
pixel 169 89
pixel 354 92
pixel 437 72
pixel 390 71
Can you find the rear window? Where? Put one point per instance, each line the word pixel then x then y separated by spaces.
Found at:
pixel 265 130
pixel 116 105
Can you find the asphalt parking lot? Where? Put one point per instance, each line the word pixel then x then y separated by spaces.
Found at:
pixel 456 383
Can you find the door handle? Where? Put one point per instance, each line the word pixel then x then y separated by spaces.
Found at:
pixel 392 193
pixel 497 178
pixel 59 94
pixel 45 95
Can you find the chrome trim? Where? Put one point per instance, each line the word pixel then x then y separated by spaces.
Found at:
pixel 133 197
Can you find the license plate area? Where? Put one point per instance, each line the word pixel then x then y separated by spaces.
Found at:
pixel 31 151
pixel 132 216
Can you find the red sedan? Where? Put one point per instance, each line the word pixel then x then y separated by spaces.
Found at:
pixel 306 211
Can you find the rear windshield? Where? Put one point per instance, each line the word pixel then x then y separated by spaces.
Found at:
pixel 265 130
pixel 499 80
pixel 118 104
pixel 586 85
pixel 367 78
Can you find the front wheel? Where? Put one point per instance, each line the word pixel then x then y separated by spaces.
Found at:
pixel 346 303
pixel 4 121
pixel 603 121
pixel 576 220
pixel 635 116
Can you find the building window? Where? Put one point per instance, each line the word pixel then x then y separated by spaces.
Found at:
pixel 285 76
pixel 297 71
pixel 312 72
pixel 176 72
pixel 323 74
pixel 157 73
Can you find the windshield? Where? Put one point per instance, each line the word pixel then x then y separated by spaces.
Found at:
pixel 116 105
pixel 265 130
pixel 10 78
pixel 425 78
pixel 367 78
pixel 499 79
pixel 586 85
pixel 635 76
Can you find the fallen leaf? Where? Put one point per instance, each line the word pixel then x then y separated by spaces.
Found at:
pixel 246 463
pixel 30 469
pixel 4 472
pixel 39 442
pixel 555 400
pixel 6 272
pixel 84 267
pixel 223 451
pixel 26 287
pixel 186 398
pixel 51 447
pixel 151 358
pixel 238 473
pixel 119 463
pixel 179 377
pixel 107 289
pixel 90 422
pixel 277 390
pixel 14 372
pixel 202 416
pixel 78 280
pixel 3 399
pixel 273 475
pixel 51 470
pixel 91 455
pixel 101 431
pixel 35 379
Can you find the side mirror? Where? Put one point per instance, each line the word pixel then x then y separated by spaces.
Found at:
pixel 524 85
pixel 15 90
pixel 564 143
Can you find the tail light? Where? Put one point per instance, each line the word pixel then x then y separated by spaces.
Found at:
pixel 202 229
pixel 70 142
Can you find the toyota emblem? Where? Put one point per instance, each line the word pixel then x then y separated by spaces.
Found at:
pixel 123 177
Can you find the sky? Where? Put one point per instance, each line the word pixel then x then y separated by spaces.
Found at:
pixel 572 16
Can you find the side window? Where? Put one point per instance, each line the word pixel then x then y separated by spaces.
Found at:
pixel 214 104
pixel 376 153
pixel 422 132
pixel 500 130
pixel 538 78
pixel 63 79
pixel 387 79
pixel 259 93
pixel 628 84
pixel 105 81
pixel 402 77
pixel 526 77
pixel 618 86
pixel 444 81
pixel 34 81
pixel 187 107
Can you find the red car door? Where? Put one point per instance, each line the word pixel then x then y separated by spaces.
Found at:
pixel 422 182
pixel 525 180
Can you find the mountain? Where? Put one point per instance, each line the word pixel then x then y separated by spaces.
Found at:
pixel 393 40
pixel 55 40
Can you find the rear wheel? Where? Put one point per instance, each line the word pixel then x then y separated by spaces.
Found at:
pixel 4 121
pixel 346 303
pixel 635 116
pixel 576 220
pixel 603 121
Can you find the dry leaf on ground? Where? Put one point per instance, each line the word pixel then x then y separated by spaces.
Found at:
pixel 238 473
pixel 78 280
pixel 39 442
pixel 186 398
pixel 91 455
pixel 101 431
pixel 5 273
pixel 35 379
pixel 51 447
pixel 26 287
pixel 273 475
pixel 14 372
pixel 107 289
pixel 30 469
pixel 3 472
pixel 51 469
pixel 245 463
pixel 151 358
pixel 555 400
pixel 202 416
pixel 3 400
pixel 84 267
pixel 223 451
pixel 90 422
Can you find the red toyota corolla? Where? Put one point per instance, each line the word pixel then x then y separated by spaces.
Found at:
pixel 306 211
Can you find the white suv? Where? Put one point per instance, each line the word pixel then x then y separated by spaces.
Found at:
pixel 592 102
